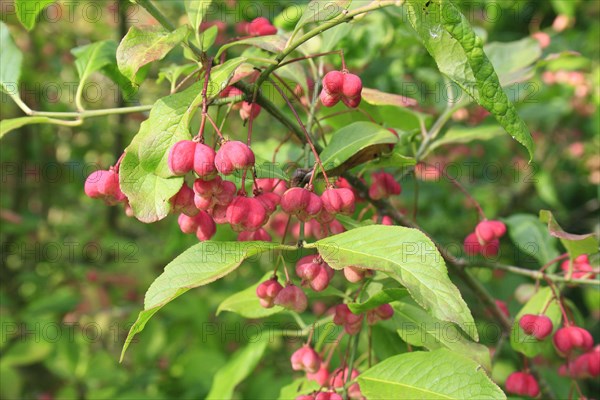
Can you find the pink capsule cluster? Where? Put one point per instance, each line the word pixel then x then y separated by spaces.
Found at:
pixel 308 360
pixel 582 269
pixel 486 238
pixel 341 86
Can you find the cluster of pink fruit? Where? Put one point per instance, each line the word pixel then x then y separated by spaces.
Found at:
pixel 567 341
pixel 486 239
pixel 316 274
pixel 308 360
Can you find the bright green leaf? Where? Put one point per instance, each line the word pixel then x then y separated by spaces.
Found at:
pixel 439 374
pixel 7 125
pixel 26 352
pixel 418 328
pixel 350 140
pixel 93 57
pixel 199 265
pixel 384 296
pixel 271 43
pixel 142 46
pixel 11 59
pixel 576 245
pixel 458 52
pixel 28 11
pixel 239 367
pixel 543 302
pixel 246 304
pixel 196 10
pixel 408 256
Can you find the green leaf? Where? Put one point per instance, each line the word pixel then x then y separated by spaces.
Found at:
pixel 531 237
pixel 351 223
pixel 7 125
pixel 408 256
pixel 11 59
pixel 28 11
pixel 298 387
pixel 321 10
pixel 439 374
pixel 174 71
pixel 350 140
pixel 208 37
pixel 458 52
pixel 93 57
pixel 378 98
pixel 383 297
pixel 529 345
pixel 246 304
pixel 142 46
pixel 148 194
pixel 199 265
pixel 464 134
pixel 418 328
pixel 513 60
pixel 394 159
pixel 196 10
pixel 576 245
pixel 271 43
pixel 240 366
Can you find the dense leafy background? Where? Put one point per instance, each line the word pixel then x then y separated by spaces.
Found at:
pixel 70 263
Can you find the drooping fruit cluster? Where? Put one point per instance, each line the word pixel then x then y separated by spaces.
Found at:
pixel 486 238
pixel 308 360
pixel 341 85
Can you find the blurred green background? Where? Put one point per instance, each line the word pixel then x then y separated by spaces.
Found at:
pixel 74 271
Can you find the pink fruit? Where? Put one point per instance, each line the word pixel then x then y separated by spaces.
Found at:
pixel 384 185
pixel 232 156
pixel 341 86
pixel 487 231
pixel 343 316
pixel 260 27
pixel 246 214
pixel 538 326
pixel 301 202
pixel 269 200
pixel 383 312
pixel 321 376
pixel 522 384
pixel 183 201
pixel 248 110
pixel 328 396
pixel 204 161
pixel 471 245
pixel 339 378
pixel 355 274
pixel 267 291
pixel 206 226
pixel 306 359
pixel 338 201
pixel 104 184
pixel 571 338
pixel 314 272
pixel 582 268
pixel 181 157
pixel 292 298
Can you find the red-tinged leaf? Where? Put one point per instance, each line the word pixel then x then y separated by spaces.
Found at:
pixel 378 98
